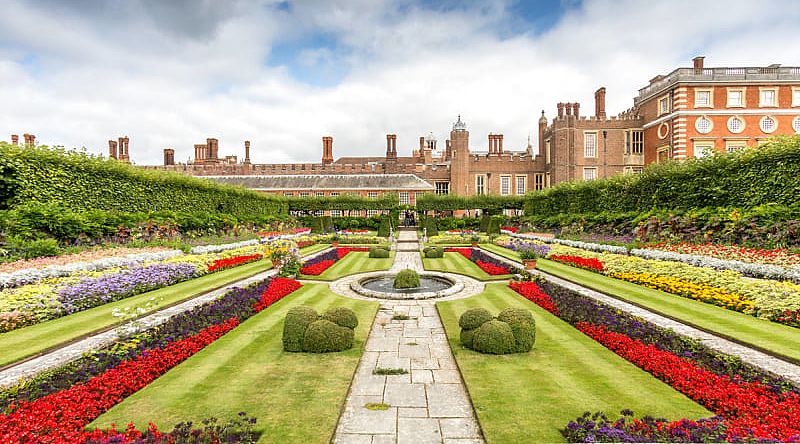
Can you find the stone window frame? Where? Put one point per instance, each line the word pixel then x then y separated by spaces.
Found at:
pixel 319 194
pixel 524 184
pixel 735 145
pixel 507 177
pixel 795 96
pixel 796 124
pixel 774 124
pixel 707 119
pixel 665 108
pixel 762 90
pixel 480 188
pixel 743 92
pixel 438 187
pixel 730 120
pixel 586 153
pixel 539 181
pixel 593 170
pixel 703 144
pixel 710 92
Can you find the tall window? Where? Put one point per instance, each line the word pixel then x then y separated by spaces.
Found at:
pixel 634 142
pixel 795 96
pixel 702 98
pixel 538 182
pixel 589 173
pixel 505 185
pixel 736 98
pixel 442 187
pixel 480 184
pixel 663 105
pixel 589 144
pixel 404 198
pixel 768 97
pixel 521 188
pixel 547 151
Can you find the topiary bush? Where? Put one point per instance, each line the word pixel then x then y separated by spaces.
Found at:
pixel 383 228
pixel 341 316
pixel 324 336
pixel 378 252
pixel 431 228
pixel 513 331
pixel 434 252
pixel 406 279
pixel 494 337
pixel 294 327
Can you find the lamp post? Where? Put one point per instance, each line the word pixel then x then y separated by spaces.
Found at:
pixel 605 152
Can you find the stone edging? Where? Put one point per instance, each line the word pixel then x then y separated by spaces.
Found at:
pixel 356 286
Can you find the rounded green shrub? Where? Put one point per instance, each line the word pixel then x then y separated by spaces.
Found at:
pixel 341 316
pixel 474 318
pixel 406 279
pixel 466 337
pixel 434 252
pixel 511 315
pixel 324 336
pixel 522 325
pixel 378 252
pixel 294 327
pixel 494 337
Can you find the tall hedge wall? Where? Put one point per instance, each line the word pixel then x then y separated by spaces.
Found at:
pixel 768 174
pixel 449 202
pixel 82 182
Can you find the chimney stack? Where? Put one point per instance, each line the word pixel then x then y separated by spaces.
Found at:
pixel 327 150
pixel 15 139
pixel 246 151
pixel 560 110
pixel 421 144
pixel 542 129
pixel 112 150
pixel 391 146
pixel 30 139
pixel 212 147
pixel 169 156
pixel 698 64
pixel 499 144
pixel 600 103
pixel 576 109
pixel 123 153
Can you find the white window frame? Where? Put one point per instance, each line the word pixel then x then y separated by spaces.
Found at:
pixel 372 194
pixel 796 96
pixel 663 105
pixel 524 183
pixel 304 194
pixel 735 145
pixel 634 141
pixel 761 94
pixel 480 184
pixel 371 213
pixel 710 92
pixel 437 187
pixel 505 185
pixel 701 145
pixel 589 151
pixel 774 126
pixel 697 124
pixel 288 194
pixel 319 194
pixel 730 119
pixel 742 103
pixel 593 170
pixel 404 198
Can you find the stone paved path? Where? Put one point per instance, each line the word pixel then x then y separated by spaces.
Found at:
pixel 428 404
pixel 754 357
pixel 63 355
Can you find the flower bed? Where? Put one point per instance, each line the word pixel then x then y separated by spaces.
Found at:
pixel 590 264
pixel 509 230
pixel 84 256
pixel 320 263
pixel 230 262
pixel 354 232
pixel 483 260
pixel 781 256
pixel 460 232
pixel 753 404
pixel 59 404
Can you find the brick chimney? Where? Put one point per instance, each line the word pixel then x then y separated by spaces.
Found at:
pixel 327 150
pixel 15 139
pixel 199 153
pixel 112 150
pixel 499 143
pixel 391 147
pixel 698 64
pixel 448 150
pixel 600 103
pixel 212 146
pixel 169 156
pixel 30 140
pixel 123 153
pixel 421 144
pixel 542 129
pixel 246 151
pixel 576 109
pixel 560 110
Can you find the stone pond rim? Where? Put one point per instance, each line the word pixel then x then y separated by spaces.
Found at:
pixel 432 285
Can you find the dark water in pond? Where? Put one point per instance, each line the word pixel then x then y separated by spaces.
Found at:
pixel 386 285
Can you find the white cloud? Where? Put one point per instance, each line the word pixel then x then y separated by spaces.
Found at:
pixel 172 77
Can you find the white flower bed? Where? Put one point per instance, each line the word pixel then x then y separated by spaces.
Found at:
pixel 31 275
pixel 222 247
pixel 591 246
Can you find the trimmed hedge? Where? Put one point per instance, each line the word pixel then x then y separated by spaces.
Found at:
pixel 378 252
pixel 494 337
pixel 430 226
pixel 513 331
pixel 406 279
pixel 769 174
pixel 294 326
pixel 490 203
pixel 341 316
pixel 82 182
pixel 324 336
pixel 434 252
pixel 305 330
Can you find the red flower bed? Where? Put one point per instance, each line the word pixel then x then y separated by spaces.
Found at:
pixel 318 268
pixel 61 416
pixel 589 263
pixel 308 243
pixel 510 229
pixel 342 251
pixel 466 252
pixel 277 290
pixel 230 262
pixel 749 408
pixel 532 292
pixel 492 269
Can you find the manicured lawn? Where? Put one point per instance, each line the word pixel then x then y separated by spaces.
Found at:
pixel 529 397
pixel 295 396
pixel 353 263
pixel 777 338
pixel 501 251
pixel 28 341
pixel 311 249
pixel 456 263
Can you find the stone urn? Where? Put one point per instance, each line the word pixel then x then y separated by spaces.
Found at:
pixel 530 264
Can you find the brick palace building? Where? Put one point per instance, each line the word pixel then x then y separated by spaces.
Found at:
pixel 688 112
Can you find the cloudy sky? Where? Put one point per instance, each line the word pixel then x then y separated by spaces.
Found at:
pixel 285 73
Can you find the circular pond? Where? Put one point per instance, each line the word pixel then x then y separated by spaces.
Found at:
pixel 385 284
pixel 381 285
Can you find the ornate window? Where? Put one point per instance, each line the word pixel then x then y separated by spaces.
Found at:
pixel 735 125
pixel 768 124
pixel 703 125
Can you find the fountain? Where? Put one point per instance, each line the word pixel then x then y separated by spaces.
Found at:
pixel 381 285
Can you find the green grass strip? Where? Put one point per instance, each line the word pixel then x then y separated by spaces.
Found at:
pixel 501 251
pixel 769 336
pixel 529 397
pixel 296 397
pixel 29 341
pixel 353 263
pixel 457 263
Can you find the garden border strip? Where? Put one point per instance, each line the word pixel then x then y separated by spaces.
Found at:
pixel 748 353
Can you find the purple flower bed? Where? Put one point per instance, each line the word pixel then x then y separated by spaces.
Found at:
pixel 482 256
pixel 517 244
pixel 237 302
pixel 94 291
pixel 598 427
pixel 574 308
pixel 332 255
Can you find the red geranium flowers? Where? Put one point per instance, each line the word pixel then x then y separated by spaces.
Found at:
pixel 230 262
pixel 590 263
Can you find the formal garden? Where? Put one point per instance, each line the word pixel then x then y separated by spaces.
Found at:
pixel 146 307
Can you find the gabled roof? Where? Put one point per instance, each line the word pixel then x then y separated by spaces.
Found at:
pixel 388 182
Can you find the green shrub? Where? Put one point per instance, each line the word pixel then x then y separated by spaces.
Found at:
pixel 494 337
pixel 493 227
pixel 434 252
pixel 466 337
pixel 294 327
pixel 474 318
pixel 341 316
pixel 30 249
pixel 324 336
pixel 406 279
pixel 383 228
pixel 484 225
pixel 522 325
pixel 378 252
pixel 430 226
